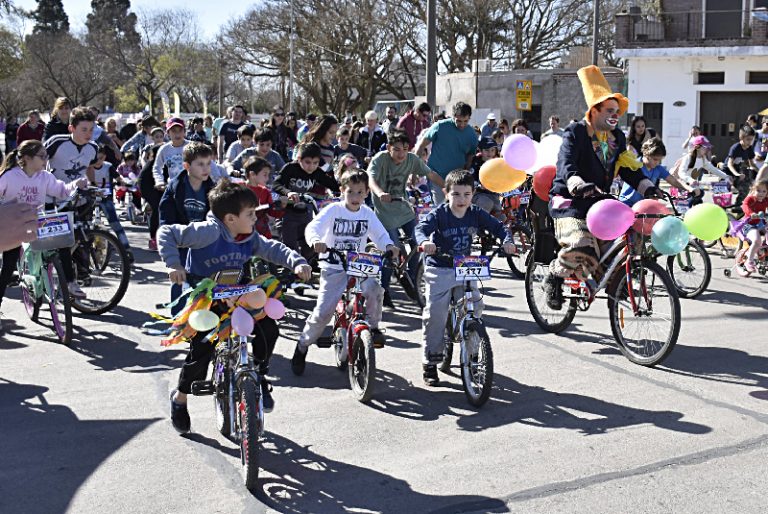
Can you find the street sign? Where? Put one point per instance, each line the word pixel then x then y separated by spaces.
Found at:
pixel 523 95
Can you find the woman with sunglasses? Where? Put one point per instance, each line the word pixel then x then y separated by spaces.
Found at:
pixel 283 137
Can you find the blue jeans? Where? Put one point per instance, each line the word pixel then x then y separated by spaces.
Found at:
pixel 109 209
pixel 409 229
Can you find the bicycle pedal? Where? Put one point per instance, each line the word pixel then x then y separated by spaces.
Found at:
pixel 324 342
pixel 203 388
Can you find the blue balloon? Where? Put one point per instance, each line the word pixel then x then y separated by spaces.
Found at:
pixel 669 236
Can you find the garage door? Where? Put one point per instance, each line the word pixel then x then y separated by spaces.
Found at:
pixel 722 113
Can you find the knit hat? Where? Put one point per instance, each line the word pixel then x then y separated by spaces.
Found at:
pixel 596 89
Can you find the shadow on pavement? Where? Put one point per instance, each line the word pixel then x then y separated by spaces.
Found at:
pixel 734 298
pixel 726 365
pixel 44 461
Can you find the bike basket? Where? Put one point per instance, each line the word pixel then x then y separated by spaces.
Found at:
pixel 54 230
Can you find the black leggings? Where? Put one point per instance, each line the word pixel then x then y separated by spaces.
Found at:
pixel 195 367
pixel 10 259
pixel 153 199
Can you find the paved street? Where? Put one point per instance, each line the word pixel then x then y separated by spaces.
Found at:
pixel 572 425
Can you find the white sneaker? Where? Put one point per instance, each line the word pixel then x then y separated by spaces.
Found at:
pixel 75 291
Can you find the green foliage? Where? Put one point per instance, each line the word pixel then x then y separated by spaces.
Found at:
pixel 127 100
pixel 50 17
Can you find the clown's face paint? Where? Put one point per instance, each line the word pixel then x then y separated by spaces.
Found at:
pixel 605 116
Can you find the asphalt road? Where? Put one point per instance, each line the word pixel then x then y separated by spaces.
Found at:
pixel 572 425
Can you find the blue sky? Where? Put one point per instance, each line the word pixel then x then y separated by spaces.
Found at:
pixel 215 13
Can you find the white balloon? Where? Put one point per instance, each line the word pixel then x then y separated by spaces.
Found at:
pixel 203 320
pixel 535 167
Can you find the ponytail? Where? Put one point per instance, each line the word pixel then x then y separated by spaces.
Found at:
pixel 28 148
pixel 11 161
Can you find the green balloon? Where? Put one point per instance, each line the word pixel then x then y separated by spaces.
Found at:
pixel 706 221
pixel 203 320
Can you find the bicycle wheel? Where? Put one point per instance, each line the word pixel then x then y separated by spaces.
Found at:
pixel 445 363
pixel 691 270
pixel 220 378
pixel 103 271
pixel 421 284
pixel 340 348
pixel 523 241
pixel 476 364
pixel 548 319
pixel 59 301
pixel 249 422
pixel 648 336
pixel 363 366
pixel 31 303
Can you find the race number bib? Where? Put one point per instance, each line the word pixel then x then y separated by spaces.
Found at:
pixel 471 267
pixel 510 194
pixel 721 187
pixel 525 198
pixel 422 211
pixel 51 225
pixel 364 265
pixel 221 292
pixel 681 205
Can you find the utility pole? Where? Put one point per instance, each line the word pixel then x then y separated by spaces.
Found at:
pixel 221 87
pixel 431 52
pixel 292 37
pixel 595 30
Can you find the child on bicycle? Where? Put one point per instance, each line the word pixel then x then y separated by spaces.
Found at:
pixel 225 240
pixel 258 170
pixel 485 199
pixel 129 169
pixel 741 162
pixel 754 231
pixel 343 226
pixel 102 175
pixel 23 179
pixel 450 228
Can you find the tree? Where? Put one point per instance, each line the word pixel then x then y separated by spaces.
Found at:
pixel 111 24
pixel 50 17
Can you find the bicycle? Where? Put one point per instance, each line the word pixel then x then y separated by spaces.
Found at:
pixel 465 328
pixel 742 253
pixel 41 274
pixel 351 336
pixel 641 296
pixel 101 263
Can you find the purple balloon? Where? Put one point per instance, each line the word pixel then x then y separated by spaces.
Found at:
pixel 242 322
pixel 609 219
pixel 274 308
pixel 519 151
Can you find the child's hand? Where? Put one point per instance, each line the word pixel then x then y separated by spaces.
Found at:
pixel 294 197
pixel 394 249
pixel 283 201
pixel 303 271
pixel 508 248
pixel 385 198
pixel 178 275
pixel 429 247
pixel 319 247
pixel 82 183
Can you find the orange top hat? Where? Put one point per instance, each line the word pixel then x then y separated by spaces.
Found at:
pixel 596 89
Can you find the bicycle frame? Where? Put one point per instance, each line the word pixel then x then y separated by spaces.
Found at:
pixel 241 364
pixel 350 314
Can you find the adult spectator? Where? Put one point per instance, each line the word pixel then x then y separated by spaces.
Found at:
pixel 638 134
pixel 372 137
pixel 414 122
pixel 323 133
pixel 143 137
pixel 490 126
pixel 111 129
pixel 216 126
pixel 59 123
pixel 208 128
pixel 11 128
pixel 32 128
pixel 454 144
pixel 554 128
pixel 283 138
pixel 391 119
pixel 306 127
pixel 228 130
pixel 520 126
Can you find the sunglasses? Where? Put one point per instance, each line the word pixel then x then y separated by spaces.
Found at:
pixel 279 114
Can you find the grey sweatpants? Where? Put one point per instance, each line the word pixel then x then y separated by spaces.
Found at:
pixel 441 285
pixel 333 282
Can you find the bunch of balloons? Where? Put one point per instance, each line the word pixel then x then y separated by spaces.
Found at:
pixel 521 156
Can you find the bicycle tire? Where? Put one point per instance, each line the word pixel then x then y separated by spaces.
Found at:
pixel 445 362
pixel 523 241
pixel 362 369
pixel 220 379
pixel 617 306
pixel 339 348
pixel 99 301
pixel 681 273
pixel 58 290
pixel 249 423
pixel 31 304
pixel 476 364
pixel 421 285
pixel 549 320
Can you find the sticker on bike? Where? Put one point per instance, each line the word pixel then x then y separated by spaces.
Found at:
pixel 221 292
pixel 51 225
pixel 469 267
pixel 422 211
pixel 364 265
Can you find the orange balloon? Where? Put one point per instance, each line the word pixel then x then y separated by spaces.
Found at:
pixel 498 176
pixel 254 300
pixel 542 181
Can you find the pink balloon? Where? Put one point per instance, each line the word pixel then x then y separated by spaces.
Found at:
pixel 609 219
pixel 519 151
pixel 648 206
pixel 242 322
pixel 274 308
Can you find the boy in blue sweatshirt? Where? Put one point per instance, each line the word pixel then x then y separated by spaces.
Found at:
pixel 449 228
pixel 225 240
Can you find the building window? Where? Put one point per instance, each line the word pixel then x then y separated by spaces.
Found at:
pixel 757 77
pixel 710 77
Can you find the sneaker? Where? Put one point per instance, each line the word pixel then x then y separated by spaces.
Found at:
pixel 179 416
pixel 553 287
pixel 266 395
pixel 430 375
pixel 388 300
pixel 750 266
pixel 378 338
pixel 152 245
pixel 299 360
pixel 75 291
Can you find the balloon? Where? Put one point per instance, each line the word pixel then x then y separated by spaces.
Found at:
pixel 274 308
pixel 547 151
pixel 531 170
pixel 254 300
pixel 203 320
pixel 669 236
pixel 242 322
pixel 542 181
pixel 519 151
pixel 609 219
pixel 497 176
pixel 645 225
pixel 706 221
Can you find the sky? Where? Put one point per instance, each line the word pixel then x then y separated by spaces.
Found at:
pixel 215 12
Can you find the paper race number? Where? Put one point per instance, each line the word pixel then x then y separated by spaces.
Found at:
pixel 422 211
pixel 471 267
pixel 721 187
pixel 364 264
pixel 51 225
pixel 221 291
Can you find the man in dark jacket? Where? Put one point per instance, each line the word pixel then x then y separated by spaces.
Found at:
pixel 590 158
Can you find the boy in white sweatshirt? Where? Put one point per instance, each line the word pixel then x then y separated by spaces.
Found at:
pixel 344 226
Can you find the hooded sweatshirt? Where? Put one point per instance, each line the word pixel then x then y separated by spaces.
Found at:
pixel 15 184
